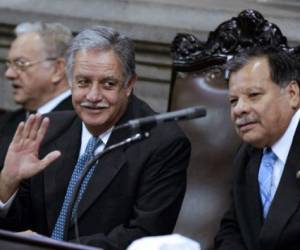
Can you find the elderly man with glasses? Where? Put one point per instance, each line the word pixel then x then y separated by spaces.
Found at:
pixel 35 68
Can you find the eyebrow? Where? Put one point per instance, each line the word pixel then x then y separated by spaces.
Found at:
pixel 17 59
pixel 110 78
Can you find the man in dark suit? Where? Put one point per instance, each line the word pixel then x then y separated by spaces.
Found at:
pixel 35 68
pixel 264 99
pixel 133 191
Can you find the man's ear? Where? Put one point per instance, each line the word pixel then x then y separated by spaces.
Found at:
pixel 294 94
pixel 130 84
pixel 59 70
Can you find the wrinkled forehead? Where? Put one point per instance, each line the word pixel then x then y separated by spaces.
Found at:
pixel 27 45
pixel 97 63
pixel 98 59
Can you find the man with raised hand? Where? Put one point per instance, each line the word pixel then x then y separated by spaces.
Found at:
pixel 131 192
pixel 36 71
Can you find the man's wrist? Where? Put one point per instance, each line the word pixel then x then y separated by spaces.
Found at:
pixel 7 187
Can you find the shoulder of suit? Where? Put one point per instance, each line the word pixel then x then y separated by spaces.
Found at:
pixel 65 116
pixel 11 119
pixel 60 123
pixel 13 113
pixel 244 154
pixel 65 104
pixel 61 120
pixel 139 109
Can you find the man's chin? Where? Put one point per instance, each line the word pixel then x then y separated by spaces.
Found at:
pixel 253 140
pixel 94 120
pixel 19 101
pixel 96 128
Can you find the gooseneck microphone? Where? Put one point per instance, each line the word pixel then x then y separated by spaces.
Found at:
pixel 148 122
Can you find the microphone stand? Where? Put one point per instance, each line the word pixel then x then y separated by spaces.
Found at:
pixel 137 137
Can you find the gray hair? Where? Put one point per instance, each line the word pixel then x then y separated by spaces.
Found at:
pixel 55 36
pixel 105 39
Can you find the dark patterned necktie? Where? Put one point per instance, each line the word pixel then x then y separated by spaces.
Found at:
pixel 93 143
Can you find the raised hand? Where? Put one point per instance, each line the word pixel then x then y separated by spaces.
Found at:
pixel 21 161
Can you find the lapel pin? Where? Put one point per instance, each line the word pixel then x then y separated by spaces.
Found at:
pixel 298 174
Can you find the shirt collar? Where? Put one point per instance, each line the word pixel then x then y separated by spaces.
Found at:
pixel 86 135
pixel 282 147
pixel 50 105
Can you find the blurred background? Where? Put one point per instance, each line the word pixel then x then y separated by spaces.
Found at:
pixel 152 24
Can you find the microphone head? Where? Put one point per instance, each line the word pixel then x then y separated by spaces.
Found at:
pixel 198 111
pixel 188 113
pixel 149 122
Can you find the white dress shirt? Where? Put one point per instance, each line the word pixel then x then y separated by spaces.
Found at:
pixel 86 135
pixel 281 149
pixel 50 105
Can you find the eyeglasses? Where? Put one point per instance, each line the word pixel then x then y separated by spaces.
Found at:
pixel 23 65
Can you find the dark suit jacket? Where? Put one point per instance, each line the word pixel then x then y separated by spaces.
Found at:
pixel 135 191
pixel 10 121
pixel 243 226
pixel 2 111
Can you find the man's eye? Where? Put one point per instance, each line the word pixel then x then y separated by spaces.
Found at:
pixel 232 101
pixel 82 82
pixel 254 94
pixel 110 84
pixel 21 63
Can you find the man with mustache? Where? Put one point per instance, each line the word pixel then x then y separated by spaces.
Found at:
pixel 131 192
pixel 35 68
pixel 264 100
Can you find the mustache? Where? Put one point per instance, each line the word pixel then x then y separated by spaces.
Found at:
pixel 15 85
pixel 87 104
pixel 240 121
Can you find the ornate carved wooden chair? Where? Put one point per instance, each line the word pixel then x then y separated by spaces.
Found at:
pixel 198 78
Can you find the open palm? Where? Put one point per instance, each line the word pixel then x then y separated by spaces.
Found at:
pixel 22 160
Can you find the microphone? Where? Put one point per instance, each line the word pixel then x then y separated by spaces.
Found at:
pixel 148 122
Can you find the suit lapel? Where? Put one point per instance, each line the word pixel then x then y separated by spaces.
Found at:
pixel 248 200
pixel 66 104
pixel 287 197
pixel 57 175
pixel 104 173
pixel 13 118
pixel 107 167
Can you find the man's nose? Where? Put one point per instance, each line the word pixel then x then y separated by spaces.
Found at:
pixel 242 106
pixel 95 93
pixel 11 73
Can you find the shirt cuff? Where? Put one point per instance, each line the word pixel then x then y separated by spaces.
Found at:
pixel 4 207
